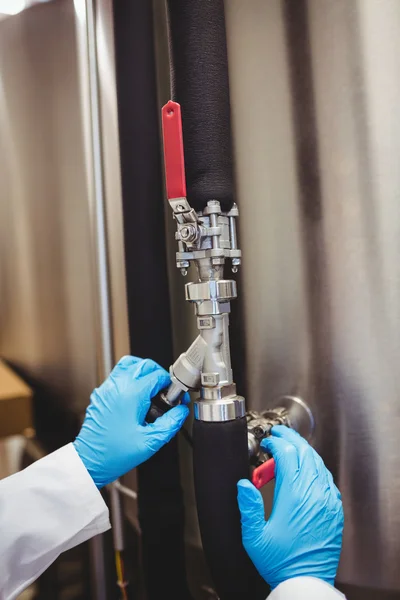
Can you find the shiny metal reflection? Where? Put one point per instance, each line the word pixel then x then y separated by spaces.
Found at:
pixel 315 89
pixel 62 313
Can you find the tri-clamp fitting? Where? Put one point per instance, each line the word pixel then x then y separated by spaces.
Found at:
pixel 205 239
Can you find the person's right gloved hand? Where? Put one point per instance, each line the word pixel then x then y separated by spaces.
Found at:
pixel 115 437
pixel 303 536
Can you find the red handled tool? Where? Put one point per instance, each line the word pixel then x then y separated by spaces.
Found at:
pixel 176 190
pixel 264 473
pixel 173 151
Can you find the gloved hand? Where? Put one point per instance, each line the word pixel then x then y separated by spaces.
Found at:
pixel 303 536
pixel 115 437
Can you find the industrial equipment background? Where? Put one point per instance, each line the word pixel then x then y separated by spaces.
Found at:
pixel 314 88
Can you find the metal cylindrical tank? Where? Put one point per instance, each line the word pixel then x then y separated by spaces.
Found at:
pixel 315 90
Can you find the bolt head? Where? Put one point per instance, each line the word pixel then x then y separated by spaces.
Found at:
pixel 258 432
pixel 187 233
pixel 182 264
pixel 184 232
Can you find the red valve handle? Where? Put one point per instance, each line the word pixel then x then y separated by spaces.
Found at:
pixel 174 158
pixel 264 473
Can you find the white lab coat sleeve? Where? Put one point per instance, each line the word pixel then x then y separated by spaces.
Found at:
pixel 45 509
pixel 305 588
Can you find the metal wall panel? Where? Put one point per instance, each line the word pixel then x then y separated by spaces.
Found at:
pixel 315 86
pixel 55 168
pixel 315 89
pixel 47 320
pixel 63 312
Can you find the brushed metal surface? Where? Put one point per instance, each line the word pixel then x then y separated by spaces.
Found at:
pixel 57 158
pixel 60 169
pixel 63 308
pixel 46 313
pixel 108 116
pixel 315 88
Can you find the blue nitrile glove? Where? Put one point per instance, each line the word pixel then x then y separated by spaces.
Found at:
pixel 303 536
pixel 115 437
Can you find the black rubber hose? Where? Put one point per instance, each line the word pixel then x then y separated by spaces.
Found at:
pixel 220 459
pixel 161 516
pixel 160 499
pixel 200 83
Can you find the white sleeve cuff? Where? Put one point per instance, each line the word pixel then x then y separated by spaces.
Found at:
pixel 305 588
pixel 95 510
pixel 47 508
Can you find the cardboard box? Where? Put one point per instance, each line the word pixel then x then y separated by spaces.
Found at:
pixel 15 403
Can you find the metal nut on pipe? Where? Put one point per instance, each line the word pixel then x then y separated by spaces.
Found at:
pixel 218 290
pixel 218 411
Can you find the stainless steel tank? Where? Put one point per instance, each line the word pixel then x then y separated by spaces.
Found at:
pixel 63 312
pixel 59 165
pixel 315 88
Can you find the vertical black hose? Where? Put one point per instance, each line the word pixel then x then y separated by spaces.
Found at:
pixel 200 83
pixel 220 459
pixel 161 514
pixel 160 499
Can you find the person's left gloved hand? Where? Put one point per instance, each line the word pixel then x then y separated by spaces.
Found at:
pixel 115 437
